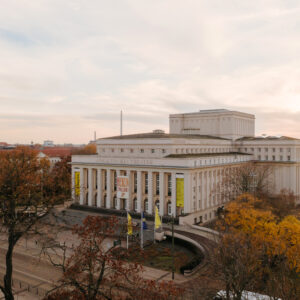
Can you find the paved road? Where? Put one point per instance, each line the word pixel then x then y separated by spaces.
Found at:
pixel 31 269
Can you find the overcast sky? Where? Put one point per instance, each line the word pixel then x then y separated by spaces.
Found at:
pixel 67 68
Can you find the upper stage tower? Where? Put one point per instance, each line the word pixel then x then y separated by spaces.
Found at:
pixel 216 122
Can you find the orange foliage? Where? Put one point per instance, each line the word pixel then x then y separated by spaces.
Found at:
pixel 88 149
pixel 278 237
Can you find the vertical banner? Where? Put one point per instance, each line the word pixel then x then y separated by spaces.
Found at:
pixel 180 192
pixel 122 187
pixel 129 224
pixel 77 183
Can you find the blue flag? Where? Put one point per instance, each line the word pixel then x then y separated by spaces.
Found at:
pixel 144 222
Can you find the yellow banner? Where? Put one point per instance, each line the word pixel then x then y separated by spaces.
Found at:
pixel 77 183
pixel 180 192
pixel 157 218
pixel 129 225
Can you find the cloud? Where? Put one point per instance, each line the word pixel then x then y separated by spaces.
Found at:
pixel 69 67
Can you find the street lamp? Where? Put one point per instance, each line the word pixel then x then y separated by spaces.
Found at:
pixel 173 250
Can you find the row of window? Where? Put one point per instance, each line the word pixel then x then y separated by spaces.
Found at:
pixel 141 150
pixel 266 157
pixel 200 150
pixel 135 204
pixel 145 181
pixel 265 149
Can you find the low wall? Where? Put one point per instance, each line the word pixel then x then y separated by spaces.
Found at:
pixel 191 241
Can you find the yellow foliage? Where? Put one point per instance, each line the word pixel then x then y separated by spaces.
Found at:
pixel 277 237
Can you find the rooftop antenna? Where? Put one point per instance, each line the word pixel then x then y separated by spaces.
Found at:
pixel 121 123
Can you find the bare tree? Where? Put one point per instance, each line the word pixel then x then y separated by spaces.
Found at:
pixel 235 264
pixel 95 270
pixel 251 178
pixel 27 194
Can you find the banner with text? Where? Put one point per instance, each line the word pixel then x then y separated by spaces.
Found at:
pixel 123 187
pixel 180 191
pixel 77 183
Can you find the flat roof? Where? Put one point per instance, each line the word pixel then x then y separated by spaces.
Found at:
pixel 195 155
pixel 151 135
pixel 214 111
pixel 268 138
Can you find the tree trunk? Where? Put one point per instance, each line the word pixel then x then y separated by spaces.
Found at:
pixel 227 292
pixel 9 268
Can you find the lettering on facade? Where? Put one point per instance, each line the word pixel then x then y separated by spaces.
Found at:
pixel 123 187
pixel 77 183
pixel 179 191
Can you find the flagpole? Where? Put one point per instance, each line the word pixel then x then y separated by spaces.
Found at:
pixel 142 223
pixel 154 224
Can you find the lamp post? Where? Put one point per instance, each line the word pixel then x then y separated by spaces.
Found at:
pixel 173 259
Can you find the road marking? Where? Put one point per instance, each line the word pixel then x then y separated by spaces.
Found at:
pixel 31 276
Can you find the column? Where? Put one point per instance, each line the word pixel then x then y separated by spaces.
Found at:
pixel 90 186
pixel 173 194
pixel 108 188
pixel 187 193
pixel 207 180
pixel 129 200
pixel 118 199
pixel 150 193
pixel 196 194
pixel 82 188
pixel 73 185
pixel 212 188
pixel 139 190
pixel 99 188
pixel 161 193
pixel 202 190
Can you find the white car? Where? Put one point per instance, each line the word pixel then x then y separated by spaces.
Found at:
pixel 245 296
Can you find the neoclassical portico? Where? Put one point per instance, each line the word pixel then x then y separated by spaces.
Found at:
pixel 147 188
pixel 156 183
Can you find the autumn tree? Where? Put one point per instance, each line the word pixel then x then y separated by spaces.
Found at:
pixel 27 194
pixel 95 270
pixel 87 149
pixel 258 250
pixel 61 175
pixel 282 204
pixel 251 178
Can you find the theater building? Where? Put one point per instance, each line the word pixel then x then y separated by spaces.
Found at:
pixel 181 172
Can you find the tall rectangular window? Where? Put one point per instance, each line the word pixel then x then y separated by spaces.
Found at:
pixel 169 185
pixel 157 184
pixel 115 181
pixel 135 182
pixel 146 183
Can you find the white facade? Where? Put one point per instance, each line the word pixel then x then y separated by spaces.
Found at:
pixel 52 159
pixel 153 162
pixel 219 122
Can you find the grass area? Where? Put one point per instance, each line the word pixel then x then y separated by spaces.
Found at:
pixel 159 256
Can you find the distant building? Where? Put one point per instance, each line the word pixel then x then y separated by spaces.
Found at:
pixel 6 146
pixel 181 172
pixel 54 154
pixel 48 144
